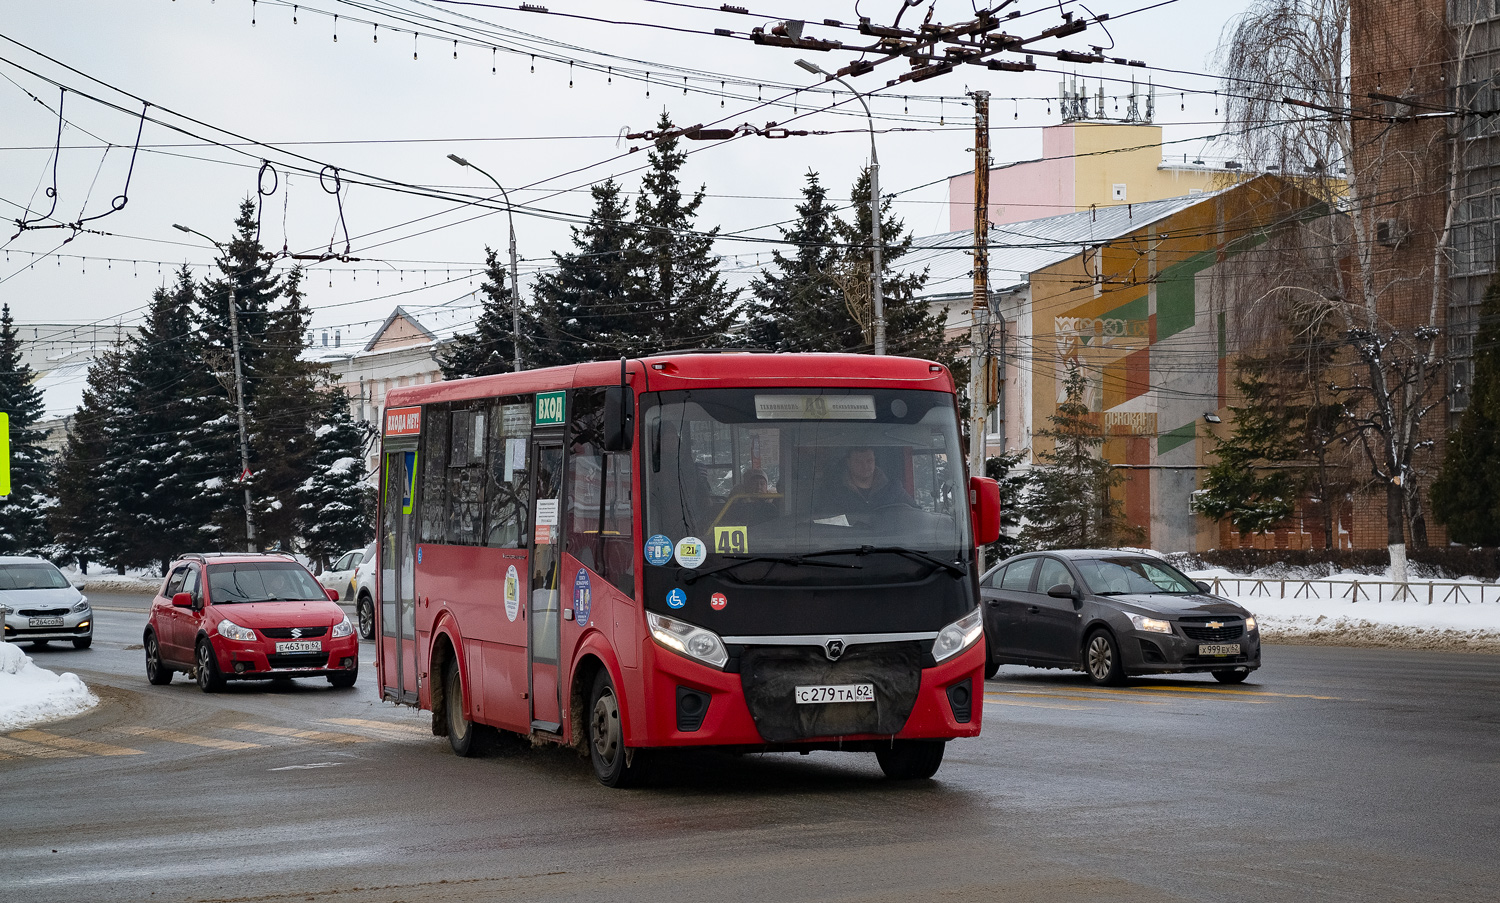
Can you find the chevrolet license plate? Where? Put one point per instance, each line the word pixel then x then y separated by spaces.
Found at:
pixel 1219 649
pixel 300 646
pixel 835 693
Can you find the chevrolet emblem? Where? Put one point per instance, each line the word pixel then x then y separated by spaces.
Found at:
pixel 1215 624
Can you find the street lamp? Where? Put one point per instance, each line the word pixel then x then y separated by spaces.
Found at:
pixel 515 282
pixel 239 395
pixel 876 295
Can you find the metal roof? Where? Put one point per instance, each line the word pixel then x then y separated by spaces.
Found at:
pixel 1019 249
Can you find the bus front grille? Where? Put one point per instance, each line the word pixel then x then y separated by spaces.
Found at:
pixel 770 676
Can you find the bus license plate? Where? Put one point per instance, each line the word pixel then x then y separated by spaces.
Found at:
pixel 1220 649
pixel 839 693
pixel 300 646
pixel 44 622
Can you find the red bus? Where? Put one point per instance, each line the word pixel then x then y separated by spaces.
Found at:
pixel 750 551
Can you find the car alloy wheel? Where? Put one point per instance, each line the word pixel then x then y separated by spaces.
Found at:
pixel 1101 659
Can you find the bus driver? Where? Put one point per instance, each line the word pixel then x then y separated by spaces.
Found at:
pixel 863 487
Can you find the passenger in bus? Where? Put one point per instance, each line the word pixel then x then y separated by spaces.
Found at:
pixel 862 487
pixel 752 501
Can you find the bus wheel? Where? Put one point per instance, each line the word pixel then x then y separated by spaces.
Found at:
pixel 606 738
pixel 911 760
pixel 461 731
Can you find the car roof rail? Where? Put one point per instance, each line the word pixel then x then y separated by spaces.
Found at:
pixel 205 556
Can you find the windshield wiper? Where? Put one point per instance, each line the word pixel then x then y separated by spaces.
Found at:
pixel 739 560
pixel 952 567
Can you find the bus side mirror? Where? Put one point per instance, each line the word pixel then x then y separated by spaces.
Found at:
pixel 619 418
pixel 984 509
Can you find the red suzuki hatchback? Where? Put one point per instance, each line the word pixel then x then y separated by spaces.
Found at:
pixel 245 616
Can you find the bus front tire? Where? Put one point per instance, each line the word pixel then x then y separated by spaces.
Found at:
pixel 614 765
pixel 461 732
pixel 911 760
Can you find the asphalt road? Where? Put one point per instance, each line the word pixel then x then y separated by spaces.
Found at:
pixel 1335 774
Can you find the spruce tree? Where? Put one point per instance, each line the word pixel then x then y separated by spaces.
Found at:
pixel 677 298
pixel 84 523
pixel 1251 485
pixel 23 516
pixel 1071 502
pixel 583 306
pixel 911 327
pixel 490 347
pixel 798 305
pixel 1466 493
pixel 334 499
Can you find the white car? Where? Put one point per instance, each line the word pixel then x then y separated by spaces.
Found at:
pixel 38 604
pixel 340 576
pixel 363 592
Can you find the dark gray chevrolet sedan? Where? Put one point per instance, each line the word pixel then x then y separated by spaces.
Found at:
pixel 1112 615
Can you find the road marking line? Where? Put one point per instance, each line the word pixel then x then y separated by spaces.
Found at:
pixel 1227 692
pixel 85 746
pixel 309 765
pixel 295 734
pixel 36 752
pixel 1038 705
pixel 189 739
pixel 390 726
pixel 1094 698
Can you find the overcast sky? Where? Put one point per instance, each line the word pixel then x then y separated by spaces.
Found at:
pixel 362 104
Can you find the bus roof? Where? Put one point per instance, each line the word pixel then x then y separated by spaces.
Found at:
pixel 695 370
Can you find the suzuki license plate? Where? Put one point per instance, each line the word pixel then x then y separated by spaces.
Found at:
pixel 44 622
pixel 1219 649
pixel 837 693
pixel 300 646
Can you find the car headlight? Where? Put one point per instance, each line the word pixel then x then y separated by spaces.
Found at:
pixel 82 605
pixel 1151 625
pixel 232 631
pixel 688 639
pixel 1249 623
pixel 958 636
pixel 343 628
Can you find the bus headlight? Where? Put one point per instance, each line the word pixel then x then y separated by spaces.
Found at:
pixel 688 639
pixel 958 636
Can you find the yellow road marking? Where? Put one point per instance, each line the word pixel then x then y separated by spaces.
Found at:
pixel 1092 698
pixel 85 746
pixel 1229 692
pixel 300 734
pixel 36 752
pixel 1036 705
pixel 390 726
pixel 189 739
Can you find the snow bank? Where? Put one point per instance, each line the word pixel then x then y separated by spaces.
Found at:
pixel 29 694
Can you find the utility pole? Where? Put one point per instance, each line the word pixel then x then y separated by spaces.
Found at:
pixel 515 277
pixel 239 395
pixel 980 308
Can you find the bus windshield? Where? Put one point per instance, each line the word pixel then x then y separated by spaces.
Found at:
pixel 782 473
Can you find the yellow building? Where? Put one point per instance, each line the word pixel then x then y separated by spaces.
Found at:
pixel 1089 165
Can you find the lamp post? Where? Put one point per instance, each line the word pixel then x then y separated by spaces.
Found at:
pixel 515 280
pixel 239 396
pixel 877 298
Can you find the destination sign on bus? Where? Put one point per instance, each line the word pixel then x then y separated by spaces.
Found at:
pixel 403 422
pixel 815 407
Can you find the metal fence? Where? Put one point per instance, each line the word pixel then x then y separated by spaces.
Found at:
pixel 1356 590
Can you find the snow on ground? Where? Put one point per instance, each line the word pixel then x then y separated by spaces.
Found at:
pixel 29 694
pixel 1334 620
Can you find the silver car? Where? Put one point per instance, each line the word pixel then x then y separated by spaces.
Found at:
pixel 39 605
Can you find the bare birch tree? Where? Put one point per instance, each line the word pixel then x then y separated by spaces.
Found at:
pixel 1291 109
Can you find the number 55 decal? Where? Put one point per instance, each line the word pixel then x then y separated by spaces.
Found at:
pixel 731 540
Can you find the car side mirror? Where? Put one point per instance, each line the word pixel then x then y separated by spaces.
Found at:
pixel 1063 591
pixel 333 595
pixel 1203 587
pixel 182 600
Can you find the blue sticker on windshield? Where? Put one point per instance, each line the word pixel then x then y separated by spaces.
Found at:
pixel 582 597
pixel 658 550
pixel 676 598
pixel 419 554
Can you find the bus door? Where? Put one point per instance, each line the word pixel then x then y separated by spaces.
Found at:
pixel 398 528
pixel 546 566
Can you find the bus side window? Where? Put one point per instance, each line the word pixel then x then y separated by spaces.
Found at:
pixel 433 461
pixel 599 502
pixel 466 477
pixel 508 489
